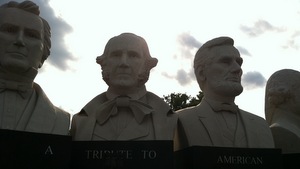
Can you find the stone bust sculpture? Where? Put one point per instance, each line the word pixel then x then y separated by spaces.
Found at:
pixel 24 46
pixel 282 109
pixel 217 120
pixel 126 111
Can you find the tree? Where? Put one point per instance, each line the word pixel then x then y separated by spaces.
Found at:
pixel 179 101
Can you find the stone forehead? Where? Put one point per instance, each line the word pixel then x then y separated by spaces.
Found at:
pixel 126 38
pixel 218 41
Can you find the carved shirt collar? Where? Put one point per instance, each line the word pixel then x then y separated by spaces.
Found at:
pixel 222 106
pixel 139 93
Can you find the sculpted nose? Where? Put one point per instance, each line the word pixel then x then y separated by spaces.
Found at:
pixel 124 60
pixel 237 68
pixel 20 40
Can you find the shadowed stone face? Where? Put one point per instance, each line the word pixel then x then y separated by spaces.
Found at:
pixel 125 62
pixel 223 74
pixel 21 40
pixel 24 105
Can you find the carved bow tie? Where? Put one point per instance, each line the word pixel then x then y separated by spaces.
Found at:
pixel 225 107
pixel 22 89
pixel 110 108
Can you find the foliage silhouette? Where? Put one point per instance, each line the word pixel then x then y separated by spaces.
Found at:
pixel 179 101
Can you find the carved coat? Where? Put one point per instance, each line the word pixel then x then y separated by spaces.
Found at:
pixel 164 121
pixel 197 127
pixel 41 116
pixel 286 135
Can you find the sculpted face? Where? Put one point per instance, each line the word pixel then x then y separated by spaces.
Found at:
pixel 223 75
pixel 21 40
pixel 125 62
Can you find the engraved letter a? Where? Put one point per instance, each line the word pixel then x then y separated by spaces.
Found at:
pixel 48 151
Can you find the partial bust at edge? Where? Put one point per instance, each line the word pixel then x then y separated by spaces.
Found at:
pixel 24 46
pixel 282 109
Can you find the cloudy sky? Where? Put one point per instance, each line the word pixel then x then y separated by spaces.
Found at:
pixel 267 34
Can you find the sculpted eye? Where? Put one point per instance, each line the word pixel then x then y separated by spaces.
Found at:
pixel 33 34
pixel 226 60
pixel 116 54
pixel 133 54
pixel 8 29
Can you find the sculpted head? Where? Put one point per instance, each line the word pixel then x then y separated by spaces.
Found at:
pixel 24 37
pixel 126 62
pixel 217 67
pixel 282 93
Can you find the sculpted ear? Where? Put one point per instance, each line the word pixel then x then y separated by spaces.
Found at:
pixel 152 63
pixel 100 60
pixel 200 75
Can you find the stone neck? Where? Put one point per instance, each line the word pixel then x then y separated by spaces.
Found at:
pixel 136 94
pixel 286 119
pixel 25 77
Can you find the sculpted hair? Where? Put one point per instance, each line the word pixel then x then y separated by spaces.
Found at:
pixel 281 87
pixel 149 63
pixel 31 7
pixel 204 54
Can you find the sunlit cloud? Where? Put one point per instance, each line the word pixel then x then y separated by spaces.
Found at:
pixel 243 51
pixel 183 77
pixel 293 42
pixel 252 80
pixel 259 27
pixel 187 40
pixel 60 55
pixel 187 45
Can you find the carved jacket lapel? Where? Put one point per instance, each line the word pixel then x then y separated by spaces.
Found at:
pixel 164 119
pixel 84 122
pixel 250 129
pixel 86 125
pixel 210 123
pixel 39 115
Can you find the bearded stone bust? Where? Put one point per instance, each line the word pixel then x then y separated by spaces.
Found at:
pixel 217 120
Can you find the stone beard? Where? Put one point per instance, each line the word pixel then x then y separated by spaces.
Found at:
pixel 227 88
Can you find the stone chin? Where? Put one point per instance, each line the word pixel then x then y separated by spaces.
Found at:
pixel 237 89
pixel 229 88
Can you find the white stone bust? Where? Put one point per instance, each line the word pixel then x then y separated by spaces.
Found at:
pixel 126 111
pixel 217 120
pixel 282 109
pixel 24 46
